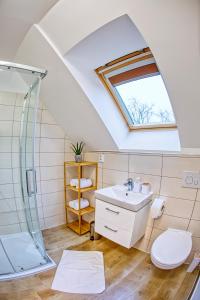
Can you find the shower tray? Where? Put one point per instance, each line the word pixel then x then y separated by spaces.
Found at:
pixel 19 256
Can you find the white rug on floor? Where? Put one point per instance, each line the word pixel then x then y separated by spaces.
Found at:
pixel 80 272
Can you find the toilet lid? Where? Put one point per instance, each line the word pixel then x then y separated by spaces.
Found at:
pixel 172 246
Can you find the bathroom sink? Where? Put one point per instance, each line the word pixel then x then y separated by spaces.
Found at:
pixel 120 196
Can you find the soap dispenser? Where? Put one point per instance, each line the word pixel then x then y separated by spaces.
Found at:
pixel 137 185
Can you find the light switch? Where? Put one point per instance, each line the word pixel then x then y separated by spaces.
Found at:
pixel 191 179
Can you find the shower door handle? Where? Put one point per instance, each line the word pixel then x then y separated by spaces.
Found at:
pixel 31 182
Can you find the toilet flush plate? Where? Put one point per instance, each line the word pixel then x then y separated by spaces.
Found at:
pixel 191 179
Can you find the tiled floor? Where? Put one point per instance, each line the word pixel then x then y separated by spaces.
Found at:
pixel 130 274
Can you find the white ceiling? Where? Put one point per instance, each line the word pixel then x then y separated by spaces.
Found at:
pixel 16 18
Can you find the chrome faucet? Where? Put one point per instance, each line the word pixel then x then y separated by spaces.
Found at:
pixel 129 184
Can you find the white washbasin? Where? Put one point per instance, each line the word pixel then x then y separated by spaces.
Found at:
pixel 120 196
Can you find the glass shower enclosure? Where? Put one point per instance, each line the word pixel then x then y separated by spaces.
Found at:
pixel 22 250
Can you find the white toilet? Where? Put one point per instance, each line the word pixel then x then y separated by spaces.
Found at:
pixel 171 248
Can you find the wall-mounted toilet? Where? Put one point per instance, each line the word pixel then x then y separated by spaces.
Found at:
pixel 171 248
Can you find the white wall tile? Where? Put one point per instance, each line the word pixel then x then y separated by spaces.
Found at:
pixel 22 217
pixel 172 187
pixel 6 128
pixel 52 199
pixel 55 221
pixel 7 205
pixel 194 227
pixel 195 244
pixel 178 207
pixel 15 144
pixel 173 222
pixel 52 131
pixel 142 244
pixel 150 221
pixel 42 224
pixel 15 160
pixel 69 156
pixel 19 99
pixel 112 177
pixel 47 117
pixel 51 186
pixel 30 129
pixel 40 212
pixel 155 233
pixel 196 211
pixel 198 195
pixel 175 166
pixel 29 144
pixel 145 164
pixel 116 161
pixel 5 176
pixel 19 203
pixel 18 113
pixel 39 200
pixel 6 113
pixel 9 229
pixel 8 218
pixel 31 114
pixel 7 98
pixel 17 190
pixel 53 210
pixel 51 145
pixel 91 156
pixel 5 144
pixel 6 191
pixel 55 172
pixel 148 232
pixel 51 159
pixel 16 128
pixel 5 160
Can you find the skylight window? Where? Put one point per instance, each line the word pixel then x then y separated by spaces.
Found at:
pixel 136 85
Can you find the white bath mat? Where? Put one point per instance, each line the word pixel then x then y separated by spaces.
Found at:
pixel 80 272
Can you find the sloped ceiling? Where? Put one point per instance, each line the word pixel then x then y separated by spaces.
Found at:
pixel 16 18
pixel 170 28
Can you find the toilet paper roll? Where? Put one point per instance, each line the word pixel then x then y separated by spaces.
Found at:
pixel 157 208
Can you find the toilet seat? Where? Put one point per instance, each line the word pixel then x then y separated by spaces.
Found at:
pixel 171 248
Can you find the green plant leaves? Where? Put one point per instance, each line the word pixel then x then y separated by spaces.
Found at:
pixel 77 148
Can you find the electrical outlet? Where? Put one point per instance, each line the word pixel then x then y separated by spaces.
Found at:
pixel 101 158
pixel 191 179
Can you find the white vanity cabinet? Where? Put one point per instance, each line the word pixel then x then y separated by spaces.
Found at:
pixel 120 225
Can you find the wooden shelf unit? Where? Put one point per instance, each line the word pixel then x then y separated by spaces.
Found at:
pixel 79 226
pixel 85 227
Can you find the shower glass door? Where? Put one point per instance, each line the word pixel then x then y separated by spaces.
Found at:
pixel 27 163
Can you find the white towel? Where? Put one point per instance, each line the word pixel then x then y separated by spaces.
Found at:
pixel 73 181
pixel 80 272
pixel 83 203
pixel 84 182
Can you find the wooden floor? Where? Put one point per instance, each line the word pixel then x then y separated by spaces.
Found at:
pixel 130 274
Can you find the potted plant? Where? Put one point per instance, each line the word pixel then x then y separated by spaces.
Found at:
pixel 77 149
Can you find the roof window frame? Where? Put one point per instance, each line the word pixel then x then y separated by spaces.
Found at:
pixel 125 61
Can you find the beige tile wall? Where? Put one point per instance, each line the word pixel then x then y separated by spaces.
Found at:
pixel 164 173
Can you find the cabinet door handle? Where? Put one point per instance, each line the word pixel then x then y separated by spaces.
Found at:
pixel 113 230
pixel 31 182
pixel 113 211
